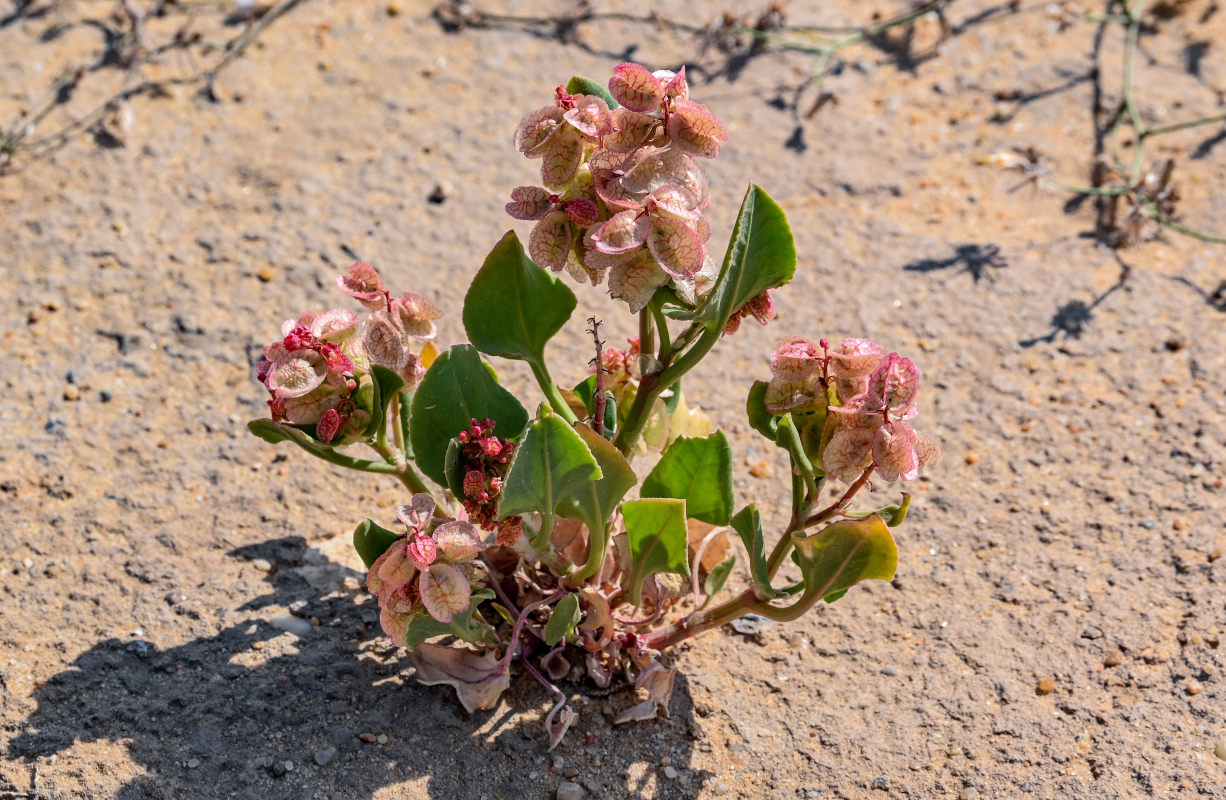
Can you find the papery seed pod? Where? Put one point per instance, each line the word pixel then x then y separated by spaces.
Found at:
pixel 849 452
pixel 444 591
pixel 422 552
pixel 297 373
pixel 363 283
pixel 328 425
pixel 633 87
pixel 417 512
pixel 894 452
pixel 530 202
pixel 457 541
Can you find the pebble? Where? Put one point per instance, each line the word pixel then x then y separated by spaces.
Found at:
pixel 570 791
pixel 891 671
pixel 1219 748
pixel 296 626
pixel 289 766
pixel 972 457
pixel 266 274
pixel 195 762
pixel 369 738
pixel 394 8
pixel 106 395
pixel 325 756
pixel 262 564
pixel 720 788
pixel 71 393
pixel 439 195
pixel 881 782
pixel 1194 688
pixel 1114 660
pixel 760 470
pixel 381 738
pixel 969 793
pixel 671 773
pixel 1148 524
pixel 1047 685
pixel 1181 524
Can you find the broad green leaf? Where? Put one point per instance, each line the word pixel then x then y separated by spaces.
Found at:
pixel 371 540
pixel 423 626
pixel 581 85
pixel 761 420
pixel 513 307
pixel 657 540
pixel 458 388
pixel 748 523
pixel 698 471
pixel 386 384
pixel 274 432
pixel 844 553
pixel 550 463
pixel 454 470
pixel 893 514
pixel 406 412
pixel 830 598
pixel 563 620
pixel 716 579
pixel 761 255
pixel 595 501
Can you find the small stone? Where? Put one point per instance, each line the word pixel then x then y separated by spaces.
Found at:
pixel 570 791
pixel 1148 524
pixel 720 788
pixel 289 766
pixel 266 274
pixel 394 8
pixel 971 457
pixel 195 762
pixel 262 564
pixel 1193 688
pixel 665 761
pixel 369 738
pixel 1114 659
pixel 1219 748
pixel 106 395
pixel 881 782
pixel 439 194
pixel 294 625
pixel 1181 524
pixel 969 793
pixel 278 768
pixel 1047 685
pixel 72 393
pixel 325 756
pixel 381 738
pixel 671 773
pixel 760 469
pixel 891 671
pixel 257 645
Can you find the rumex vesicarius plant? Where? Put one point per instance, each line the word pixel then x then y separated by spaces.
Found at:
pixel 523 543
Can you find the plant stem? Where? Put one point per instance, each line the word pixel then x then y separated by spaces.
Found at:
pixel 666 342
pixel 552 393
pixel 841 504
pixel 1180 126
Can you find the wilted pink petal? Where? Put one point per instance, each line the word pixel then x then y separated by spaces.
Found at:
pixel 582 212
pixel 478 678
pixel 694 130
pixel 676 247
pixel 339 364
pixel 762 307
pixel 792 394
pixel 397 569
pixel 328 425
pixel 550 241
pixel 630 130
pixel 394 620
pixel 334 324
pixel 417 512
pixel 444 591
pixel 673 201
pixel 308 409
pixel 383 341
pixel 578 269
pixel 529 202
pixel 894 452
pixel 635 88
pixel 296 374
pixel 849 453
pixel 416 315
pixel 622 232
pixel 696 287
pixel 732 325
pixel 563 156
pixel 536 129
pixel 674 84
pixel 615 195
pixel 636 279
pixel 422 551
pixel 363 283
pixel 590 116
pixel 855 358
pixel 893 386
pixel 795 358
pixel 457 541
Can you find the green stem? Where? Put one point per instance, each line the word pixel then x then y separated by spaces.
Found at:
pixel 552 393
pixel 1180 126
pixel 666 342
pixel 647 333
pixel 1130 103
pixel 398 466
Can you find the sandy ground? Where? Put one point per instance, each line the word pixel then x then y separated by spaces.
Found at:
pixel 1074 530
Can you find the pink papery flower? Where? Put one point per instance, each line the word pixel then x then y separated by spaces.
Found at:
pixel 666 222
pixel 689 126
pixel 761 307
pixel 558 134
pixel 363 283
pixel 795 383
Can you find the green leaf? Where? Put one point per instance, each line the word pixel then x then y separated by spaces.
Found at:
pixel 761 420
pixel 830 598
pixel 893 514
pixel 698 471
pixel 423 626
pixel 658 542
pixel 371 541
pixel 761 255
pixel 550 463
pixel 454 470
pixel 581 85
pixel 513 307
pixel 748 523
pixel 458 388
pixel 386 384
pixel 274 432
pixel 844 553
pixel 406 412
pixel 716 579
pixel 595 501
pixel 563 620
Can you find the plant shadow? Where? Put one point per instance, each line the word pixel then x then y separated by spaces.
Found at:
pixel 974 259
pixel 216 718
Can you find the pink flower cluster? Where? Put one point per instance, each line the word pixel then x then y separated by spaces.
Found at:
pixel 314 371
pixel 485 459
pixel 871 399
pixel 429 569
pixel 625 191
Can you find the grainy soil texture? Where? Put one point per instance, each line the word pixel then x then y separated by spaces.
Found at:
pixel 182 613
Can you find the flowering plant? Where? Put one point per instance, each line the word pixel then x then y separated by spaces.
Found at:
pixel 522 543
